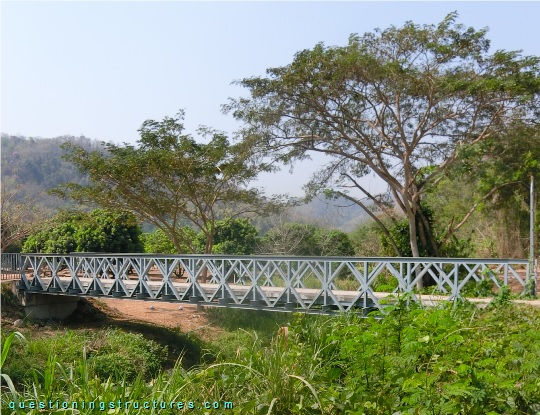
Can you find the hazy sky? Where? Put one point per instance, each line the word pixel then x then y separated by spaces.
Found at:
pixel 100 69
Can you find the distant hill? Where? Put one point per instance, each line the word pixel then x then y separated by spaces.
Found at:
pixel 339 214
pixel 331 214
pixel 36 165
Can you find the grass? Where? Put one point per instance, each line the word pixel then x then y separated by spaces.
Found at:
pixel 243 328
pixel 110 353
pixel 444 360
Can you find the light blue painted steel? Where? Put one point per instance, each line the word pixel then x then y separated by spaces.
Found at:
pixel 10 264
pixel 310 284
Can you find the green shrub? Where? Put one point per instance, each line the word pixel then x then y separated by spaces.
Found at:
pixel 307 240
pixel 233 236
pixel 114 365
pixel 99 231
pixel 158 242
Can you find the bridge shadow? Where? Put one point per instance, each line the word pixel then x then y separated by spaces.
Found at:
pixel 94 314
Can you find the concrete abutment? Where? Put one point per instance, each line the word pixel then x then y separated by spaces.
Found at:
pixel 44 306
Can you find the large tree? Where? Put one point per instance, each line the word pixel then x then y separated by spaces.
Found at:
pixel 400 103
pixel 169 179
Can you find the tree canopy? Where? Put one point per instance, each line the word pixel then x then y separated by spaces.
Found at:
pixel 490 180
pixel 400 102
pixel 170 180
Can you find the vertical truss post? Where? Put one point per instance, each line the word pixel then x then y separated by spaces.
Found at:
pixel 366 278
pixel 455 288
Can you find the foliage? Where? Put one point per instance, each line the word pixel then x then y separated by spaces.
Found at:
pixel 158 242
pixel 440 360
pixel 233 236
pixel 432 361
pixel 6 346
pixel 332 242
pixel 390 102
pixel 169 179
pixel 290 239
pixel 307 240
pixel 494 176
pixel 126 356
pixel 98 231
pixel 55 237
pixel 243 327
pixel 366 240
pixel 110 353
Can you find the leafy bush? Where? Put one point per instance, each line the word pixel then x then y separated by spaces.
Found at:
pixel 133 351
pixel 235 236
pixel 116 366
pixel 158 242
pixel 439 361
pixel 366 240
pixel 99 231
pixel 331 242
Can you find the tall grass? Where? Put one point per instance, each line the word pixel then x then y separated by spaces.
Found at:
pixel 445 360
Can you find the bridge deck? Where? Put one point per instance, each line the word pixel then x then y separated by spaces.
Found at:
pixel 307 294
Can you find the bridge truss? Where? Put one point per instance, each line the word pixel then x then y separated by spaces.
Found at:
pixel 310 284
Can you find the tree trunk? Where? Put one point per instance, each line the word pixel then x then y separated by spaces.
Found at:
pixel 432 245
pixel 414 243
pixel 207 251
pixel 419 229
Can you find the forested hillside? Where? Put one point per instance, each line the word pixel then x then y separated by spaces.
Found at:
pixel 31 166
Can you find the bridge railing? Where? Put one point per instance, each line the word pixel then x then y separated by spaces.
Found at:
pixel 10 266
pixel 313 284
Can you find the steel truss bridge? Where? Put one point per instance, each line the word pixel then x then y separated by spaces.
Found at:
pixel 309 284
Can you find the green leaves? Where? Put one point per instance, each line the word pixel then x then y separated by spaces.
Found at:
pixel 99 231
pixel 306 239
pixel 158 242
pixel 234 236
